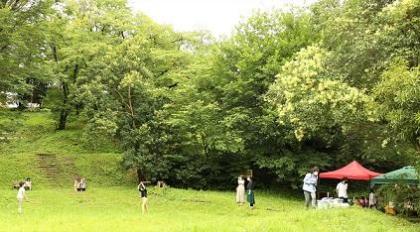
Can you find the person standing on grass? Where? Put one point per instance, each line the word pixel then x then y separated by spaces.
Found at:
pixel 240 191
pixel 372 199
pixel 250 192
pixel 309 187
pixel 342 190
pixel 143 194
pixel 20 196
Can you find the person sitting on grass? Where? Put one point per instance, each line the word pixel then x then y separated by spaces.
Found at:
pixel 15 185
pixel 390 208
pixel 356 201
pixel 80 184
pixel 76 184
pixel 143 195
pixel 20 196
pixel 161 184
pixel 363 202
pixel 28 184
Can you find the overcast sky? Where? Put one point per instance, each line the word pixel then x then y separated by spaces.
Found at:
pixel 216 16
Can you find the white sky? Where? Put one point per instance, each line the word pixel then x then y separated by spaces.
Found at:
pixel 216 16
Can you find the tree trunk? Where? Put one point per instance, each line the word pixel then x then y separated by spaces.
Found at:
pixel 63 120
pixel 64 112
pixel 140 175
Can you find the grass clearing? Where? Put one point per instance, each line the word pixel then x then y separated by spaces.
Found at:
pixel 52 158
pixel 118 209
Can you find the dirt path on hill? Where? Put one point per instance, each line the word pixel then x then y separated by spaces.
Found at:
pixel 58 172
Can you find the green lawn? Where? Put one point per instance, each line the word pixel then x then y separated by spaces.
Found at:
pixel 52 158
pixel 118 209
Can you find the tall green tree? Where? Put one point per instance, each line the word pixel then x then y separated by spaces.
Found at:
pixel 398 93
pixel 21 44
pixel 129 85
pixel 81 32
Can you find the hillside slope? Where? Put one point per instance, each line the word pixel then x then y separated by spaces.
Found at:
pixel 31 147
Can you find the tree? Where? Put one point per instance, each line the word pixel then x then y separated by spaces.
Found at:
pixel 80 33
pixel 399 98
pixel 315 106
pixel 21 45
pixel 131 82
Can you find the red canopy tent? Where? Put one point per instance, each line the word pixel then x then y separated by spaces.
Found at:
pixel 352 171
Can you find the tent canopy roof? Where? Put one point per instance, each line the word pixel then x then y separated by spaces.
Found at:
pixel 406 174
pixel 352 171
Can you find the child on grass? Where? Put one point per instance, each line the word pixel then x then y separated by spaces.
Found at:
pixel 143 194
pixel 20 196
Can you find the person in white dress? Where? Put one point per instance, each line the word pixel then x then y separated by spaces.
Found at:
pixel 240 191
pixel 20 196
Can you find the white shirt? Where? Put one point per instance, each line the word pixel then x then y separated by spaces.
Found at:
pixel 309 183
pixel 342 189
pixel 372 199
pixel 21 193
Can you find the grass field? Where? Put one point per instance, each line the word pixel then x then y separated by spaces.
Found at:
pixel 111 203
pixel 118 209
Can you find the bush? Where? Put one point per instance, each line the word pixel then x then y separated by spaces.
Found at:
pixel 406 198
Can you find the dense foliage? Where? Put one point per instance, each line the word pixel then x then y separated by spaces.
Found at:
pixel 288 90
pixel 406 198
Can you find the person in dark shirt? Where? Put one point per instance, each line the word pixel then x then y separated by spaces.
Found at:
pixel 143 195
pixel 250 192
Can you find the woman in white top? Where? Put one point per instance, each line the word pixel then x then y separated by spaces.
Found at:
pixel 20 196
pixel 240 191
pixel 309 187
pixel 342 190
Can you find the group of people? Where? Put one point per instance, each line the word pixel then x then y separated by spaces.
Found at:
pixel 240 191
pixel 366 202
pixel 80 184
pixel 244 189
pixel 27 184
pixel 310 186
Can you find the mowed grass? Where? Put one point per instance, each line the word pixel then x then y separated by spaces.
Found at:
pixel 52 159
pixel 118 209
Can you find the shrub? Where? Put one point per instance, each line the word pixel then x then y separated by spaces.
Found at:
pixel 406 198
